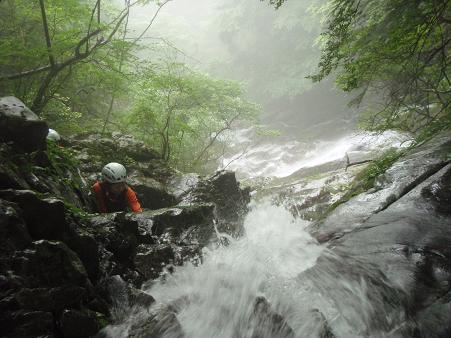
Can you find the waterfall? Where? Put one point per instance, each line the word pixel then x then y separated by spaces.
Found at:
pixel 276 261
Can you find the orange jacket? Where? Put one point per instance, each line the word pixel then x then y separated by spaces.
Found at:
pixel 106 202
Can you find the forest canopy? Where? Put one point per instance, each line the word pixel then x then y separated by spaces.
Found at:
pixel 78 65
pixel 394 50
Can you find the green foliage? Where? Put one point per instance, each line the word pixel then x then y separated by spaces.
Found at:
pixel 434 127
pixel 187 113
pixel 393 49
pixel 63 165
pixel 61 159
pixel 75 97
pixel 92 80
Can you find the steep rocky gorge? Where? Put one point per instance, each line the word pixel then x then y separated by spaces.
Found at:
pixel 383 268
pixel 59 262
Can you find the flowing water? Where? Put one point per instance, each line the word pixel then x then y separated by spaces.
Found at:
pixel 311 288
pixel 251 159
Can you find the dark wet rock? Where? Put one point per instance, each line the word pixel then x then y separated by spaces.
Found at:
pixel 75 324
pixel 52 300
pixel 31 324
pixel 13 231
pixel 439 193
pixel 120 293
pixel 123 246
pixel 118 234
pixel 114 145
pixel 181 184
pixel 435 318
pixel 265 322
pixel 230 200
pixel 176 220
pixel 158 322
pixel 386 302
pixel 50 226
pixel 409 242
pixel 50 264
pixel 140 298
pixel 21 126
pixel 151 193
pixel 151 262
pixel 11 173
pixel 405 174
pixel 55 259
pixel 84 244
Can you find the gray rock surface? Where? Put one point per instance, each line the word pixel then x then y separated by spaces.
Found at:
pixel 21 126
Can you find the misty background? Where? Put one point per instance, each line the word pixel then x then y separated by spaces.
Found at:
pixel 270 51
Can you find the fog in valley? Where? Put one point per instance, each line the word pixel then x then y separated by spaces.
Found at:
pixel 271 51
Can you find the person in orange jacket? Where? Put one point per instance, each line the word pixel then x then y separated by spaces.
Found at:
pixel 112 193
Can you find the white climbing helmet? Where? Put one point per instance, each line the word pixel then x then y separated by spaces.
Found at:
pixel 53 135
pixel 114 173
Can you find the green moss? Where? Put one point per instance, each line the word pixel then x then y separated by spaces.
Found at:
pixel 102 321
pixel 366 178
pixel 75 211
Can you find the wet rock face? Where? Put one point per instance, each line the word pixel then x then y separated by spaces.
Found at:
pixel 76 324
pixel 159 322
pixel 439 193
pixel 405 174
pixel 13 231
pixel 407 241
pixel 21 126
pixel 49 264
pixel 265 322
pixel 151 193
pixel 56 261
pixel 230 200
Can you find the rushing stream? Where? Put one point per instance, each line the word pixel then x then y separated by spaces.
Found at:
pixel 276 260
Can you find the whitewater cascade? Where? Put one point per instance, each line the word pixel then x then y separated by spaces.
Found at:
pixel 275 261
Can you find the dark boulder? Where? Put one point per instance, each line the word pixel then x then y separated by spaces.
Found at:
pixel 151 193
pixel 31 324
pixel 50 264
pixel 45 218
pixel 13 231
pixel 21 126
pixel 50 299
pixel 230 200
pixel 176 220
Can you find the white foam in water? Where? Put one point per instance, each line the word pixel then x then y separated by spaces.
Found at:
pixel 281 160
pixel 270 260
pixel 222 290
